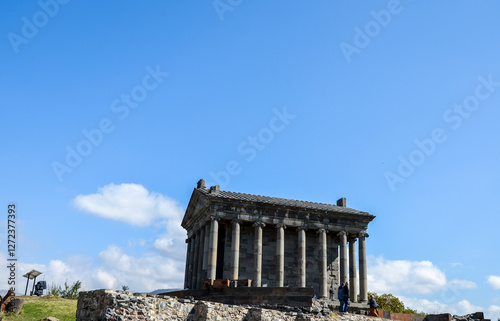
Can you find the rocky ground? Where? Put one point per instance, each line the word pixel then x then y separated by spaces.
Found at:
pixel 119 306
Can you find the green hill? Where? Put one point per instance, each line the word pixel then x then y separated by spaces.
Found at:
pixel 35 308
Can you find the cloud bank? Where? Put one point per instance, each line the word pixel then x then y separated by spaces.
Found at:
pixel 111 269
pixel 410 277
pixel 462 307
pixel 406 278
pixel 420 277
pixel 161 264
pixel 129 203
pixel 494 282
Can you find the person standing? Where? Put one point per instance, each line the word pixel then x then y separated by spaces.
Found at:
pixel 340 296
pixel 346 296
pixel 373 307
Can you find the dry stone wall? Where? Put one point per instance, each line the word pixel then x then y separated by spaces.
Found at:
pixel 104 305
pixel 108 305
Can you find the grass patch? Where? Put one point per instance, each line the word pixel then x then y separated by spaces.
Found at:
pixel 35 308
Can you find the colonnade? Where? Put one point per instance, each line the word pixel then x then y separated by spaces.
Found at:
pixel 201 258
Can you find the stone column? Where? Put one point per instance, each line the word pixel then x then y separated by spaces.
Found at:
pixel 280 255
pixel 186 271
pixel 191 259
pixel 212 248
pixel 323 277
pixel 302 257
pixel 363 283
pixel 353 283
pixel 343 256
pixel 206 245
pixel 201 256
pixel 257 254
pixel 194 280
pixel 235 250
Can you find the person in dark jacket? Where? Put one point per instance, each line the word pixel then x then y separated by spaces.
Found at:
pixel 340 296
pixel 373 307
pixel 346 296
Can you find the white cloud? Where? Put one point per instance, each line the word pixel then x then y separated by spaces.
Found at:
pixel 107 280
pixel 160 264
pixel 163 245
pixel 172 242
pixel 462 284
pixel 133 243
pixel 386 276
pixel 419 277
pixel 494 281
pixel 493 312
pixel 110 270
pixel 465 307
pixel 145 273
pixel 432 307
pixel 135 205
pixel 130 203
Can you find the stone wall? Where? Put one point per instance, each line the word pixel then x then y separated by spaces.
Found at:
pixel 104 305
pixel 109 305
pixel 296 297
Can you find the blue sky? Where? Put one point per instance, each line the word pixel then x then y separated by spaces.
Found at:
pixel 112 111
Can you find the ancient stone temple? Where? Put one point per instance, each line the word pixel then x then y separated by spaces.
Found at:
pixel 274 242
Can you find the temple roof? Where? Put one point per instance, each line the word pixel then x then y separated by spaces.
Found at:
pixel 228 205
pixel 259 199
